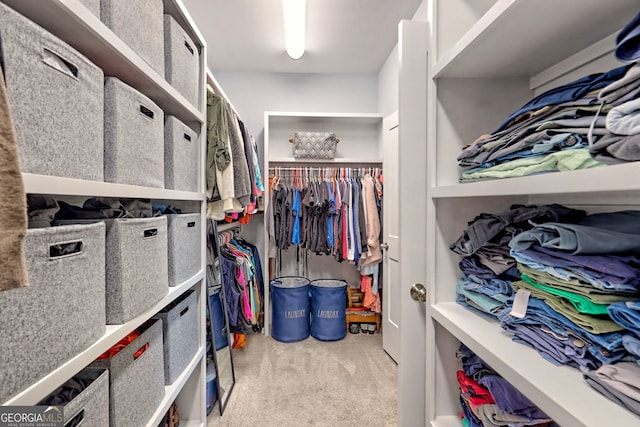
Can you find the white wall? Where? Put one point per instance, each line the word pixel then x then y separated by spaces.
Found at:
pixel 253 93
pixel 388 75
pixel 388 84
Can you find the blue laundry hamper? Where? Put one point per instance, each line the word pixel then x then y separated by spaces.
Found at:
pixel 290 309
pixel 216 315
pixel 328 309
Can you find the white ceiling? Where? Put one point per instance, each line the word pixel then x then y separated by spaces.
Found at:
pixel 343 36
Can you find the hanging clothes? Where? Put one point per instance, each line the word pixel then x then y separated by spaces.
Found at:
pixel 243 283
pixel 234 182
pixel 330 211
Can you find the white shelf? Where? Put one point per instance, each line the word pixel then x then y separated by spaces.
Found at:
pixel 523 38
pixel 447 421
pixel 612 178
pixel 560 391
pixel 172 391
pixel 289 161
pixel 55 185
pixel 114 333
pixel 76 25
pixel 298 117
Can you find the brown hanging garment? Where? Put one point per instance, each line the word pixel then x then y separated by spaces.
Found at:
pixel 13 204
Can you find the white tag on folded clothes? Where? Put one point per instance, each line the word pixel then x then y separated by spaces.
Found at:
pixel 520 303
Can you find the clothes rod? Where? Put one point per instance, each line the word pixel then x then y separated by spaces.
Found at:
pixel 320 168
pixel 235 227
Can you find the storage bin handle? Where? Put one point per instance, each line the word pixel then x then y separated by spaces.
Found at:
pixel 58 62
pixel 140 351
pixel 191 224
pixel 151 232
pixel 187 137
pixel 183 312
pixel 189 48
pixel 76 421
pixel 147 112
pixel 60 250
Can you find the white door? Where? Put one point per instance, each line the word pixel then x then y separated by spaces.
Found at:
pixel 412 161
pixel 391 258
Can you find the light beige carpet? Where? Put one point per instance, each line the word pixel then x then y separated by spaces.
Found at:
pixel 351 382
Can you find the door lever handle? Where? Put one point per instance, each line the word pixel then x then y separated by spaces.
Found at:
pixel 384 246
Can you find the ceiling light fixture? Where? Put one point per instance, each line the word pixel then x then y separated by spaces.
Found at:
pixel 294 12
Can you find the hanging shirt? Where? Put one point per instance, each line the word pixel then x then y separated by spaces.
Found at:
pixel 355 206
pixel 297 212
pixel 330 215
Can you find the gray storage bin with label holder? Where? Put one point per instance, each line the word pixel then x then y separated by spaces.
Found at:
pixel 93 6
pixel 184 247
pixel 180 335
pixel 182 61
pixel 133 137
pixel 136 378
pixel 139 25
pixel 56 100
pixel 91 406
pixel 136 266
pixel 181 147
pixel 62 311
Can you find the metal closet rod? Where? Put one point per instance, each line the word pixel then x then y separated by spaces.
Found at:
pixel 223 228
pixel 323 169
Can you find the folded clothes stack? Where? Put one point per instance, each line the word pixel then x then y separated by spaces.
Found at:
pixel 579 278
pixel 588 122
pixel 487 399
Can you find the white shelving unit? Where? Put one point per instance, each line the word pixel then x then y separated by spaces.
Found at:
pixel 487 58
pixel 360 145
pixel 76 25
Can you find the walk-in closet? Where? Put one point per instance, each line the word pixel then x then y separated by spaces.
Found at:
pixel 319 212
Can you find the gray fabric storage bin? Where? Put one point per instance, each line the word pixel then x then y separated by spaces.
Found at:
pixel 180 335
pixel 181 61
pixel 133 136
pixel 62 311
pixel 93 6
pixel 181 147
pixel 91 406
pixel 139 25
pixel 184 247
pixel 56 100
pixel 136 266
pixel 136 384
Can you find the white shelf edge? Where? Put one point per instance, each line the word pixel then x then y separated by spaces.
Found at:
pixel 172 391
pixel 544 383
pixel 292 160
pixel 77 26
pixel 55 185
pixel 470 37
pixel 228 226
pixel 284 114
pixel 213 82
pixel 611 178
pixel 191 423
pixel 114 333
pixel 447 421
